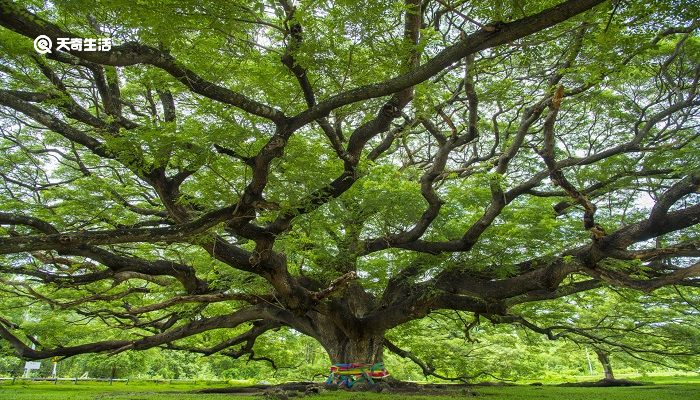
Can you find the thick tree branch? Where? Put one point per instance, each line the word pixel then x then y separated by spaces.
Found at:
pixel 67 240
pixel 225 321
pixel 480 40
pixel 24 22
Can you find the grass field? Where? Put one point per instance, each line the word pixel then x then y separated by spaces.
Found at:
pixel 663 388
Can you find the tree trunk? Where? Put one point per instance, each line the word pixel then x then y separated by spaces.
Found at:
pixel 361 350
pixel 342 333
pixel 604 359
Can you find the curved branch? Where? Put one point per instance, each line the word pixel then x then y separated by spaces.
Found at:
pixel 202 299
pixel 249 337
pixel 482 39
pixel 115 346
pixel 429 370
pixel 31 26
pixel 565 331
pixel 71 240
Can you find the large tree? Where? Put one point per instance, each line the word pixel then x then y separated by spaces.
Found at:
pixel 339 168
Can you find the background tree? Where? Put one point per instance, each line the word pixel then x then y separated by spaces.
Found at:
pixel 227 169
pixel 607 328
pixel 624 325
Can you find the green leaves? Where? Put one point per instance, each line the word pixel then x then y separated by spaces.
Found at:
pixel 449 194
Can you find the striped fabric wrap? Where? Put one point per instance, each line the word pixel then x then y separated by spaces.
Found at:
pixel 346 375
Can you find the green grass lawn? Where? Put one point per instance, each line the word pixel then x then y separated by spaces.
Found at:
pixel 664 388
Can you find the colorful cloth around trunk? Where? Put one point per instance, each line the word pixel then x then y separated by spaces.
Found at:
pixel 346 375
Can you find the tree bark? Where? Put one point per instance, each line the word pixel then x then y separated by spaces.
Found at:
pixel 362 349
pixel 344 332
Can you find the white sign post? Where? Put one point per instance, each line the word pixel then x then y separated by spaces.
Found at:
pixel 29 366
